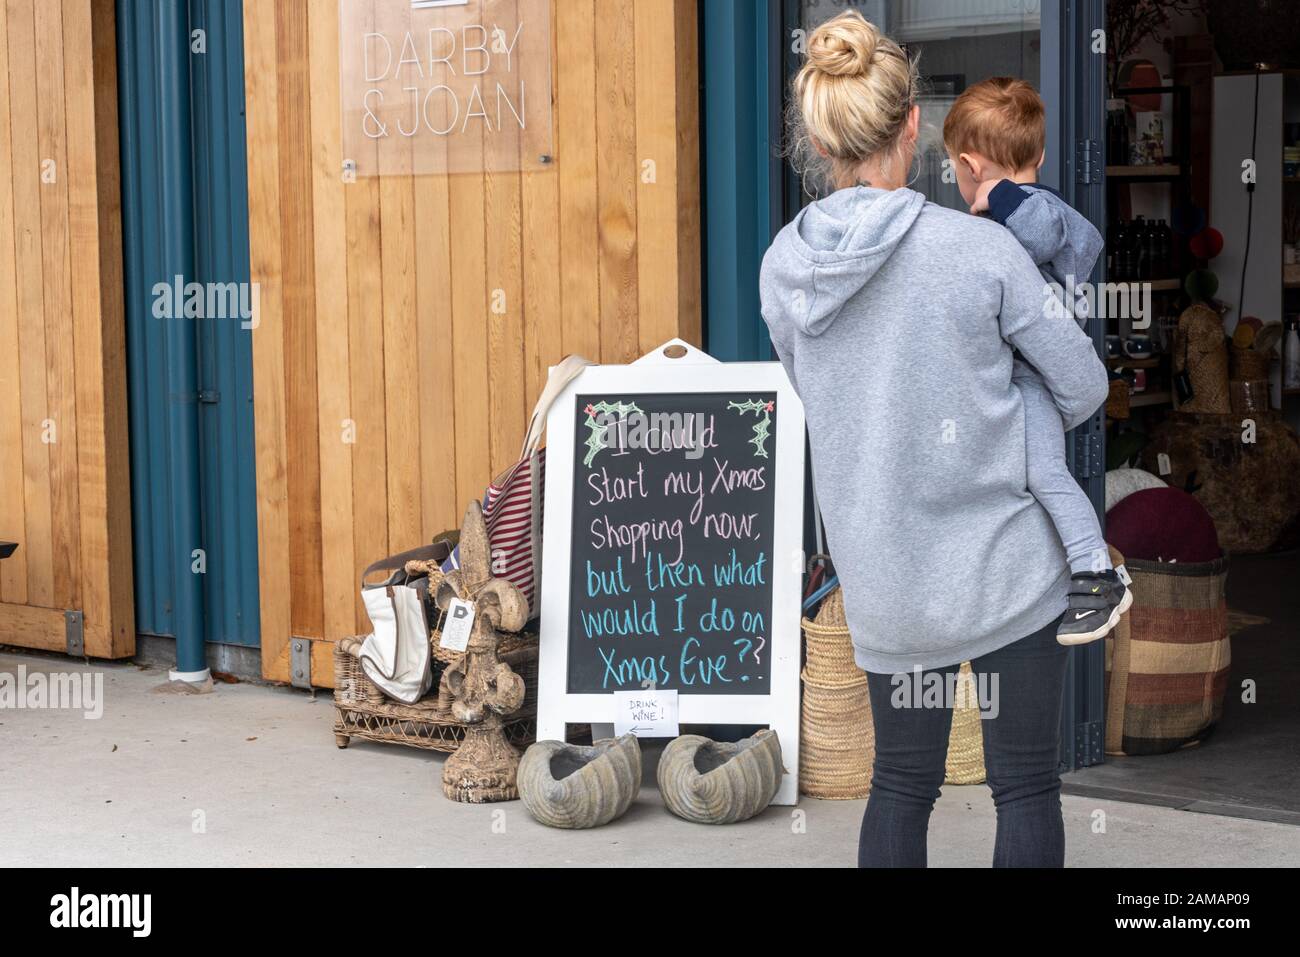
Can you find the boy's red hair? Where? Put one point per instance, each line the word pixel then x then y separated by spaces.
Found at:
pixel 1001 118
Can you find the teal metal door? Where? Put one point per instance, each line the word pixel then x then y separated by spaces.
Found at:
pixel 188 298
pixel 738 39
pixel 225 345
pixel 1076 99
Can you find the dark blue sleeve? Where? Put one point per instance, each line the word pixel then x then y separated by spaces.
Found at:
pixel 1005 200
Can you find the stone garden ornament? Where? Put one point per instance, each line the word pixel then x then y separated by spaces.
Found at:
pixel 483 689
pixel 571 786
pixel 718 782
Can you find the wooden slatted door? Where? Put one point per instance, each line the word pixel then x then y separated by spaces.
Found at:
pixel 388 390
pixel 64 470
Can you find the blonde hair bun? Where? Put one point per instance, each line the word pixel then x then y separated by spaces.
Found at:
pixel 851 100
pixel 843 46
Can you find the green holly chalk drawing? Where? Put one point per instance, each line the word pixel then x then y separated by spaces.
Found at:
pixel 596 438
pixel 762 430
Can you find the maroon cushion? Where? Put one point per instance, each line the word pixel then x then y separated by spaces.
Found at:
pixel 1163 524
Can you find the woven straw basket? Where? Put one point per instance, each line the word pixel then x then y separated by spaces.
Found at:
pixel 839 740
pixel 1248 364
pixel 1118 400
pixel 965 764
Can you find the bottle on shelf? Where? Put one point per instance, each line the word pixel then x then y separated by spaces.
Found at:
pixel 1141 240
pixel 1117 132
pixel 1123 253
pixel 1291 355
pixel 1114 230
pixel 1164 250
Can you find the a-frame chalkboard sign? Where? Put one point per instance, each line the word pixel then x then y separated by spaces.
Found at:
pixel 672 545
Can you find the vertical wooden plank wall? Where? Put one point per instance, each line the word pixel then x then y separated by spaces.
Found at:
pixel 64 468
pixel 388 390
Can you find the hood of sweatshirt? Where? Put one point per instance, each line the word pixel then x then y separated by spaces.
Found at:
pixel 833 248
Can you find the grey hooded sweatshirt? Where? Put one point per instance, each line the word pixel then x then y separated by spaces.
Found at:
pixel 896 320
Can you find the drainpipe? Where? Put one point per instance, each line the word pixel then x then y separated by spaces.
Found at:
pixel 176 144
pixel 153 38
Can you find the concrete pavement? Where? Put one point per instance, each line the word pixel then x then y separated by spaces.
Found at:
pixel 249 775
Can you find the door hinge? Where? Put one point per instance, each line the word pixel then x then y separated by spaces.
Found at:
pixel 1088 455
pixel 1088 740
pixel 209 397
pixel 300 663
pixel 74 633
pixel 1088 168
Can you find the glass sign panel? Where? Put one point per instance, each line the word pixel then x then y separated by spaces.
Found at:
pixel 445 86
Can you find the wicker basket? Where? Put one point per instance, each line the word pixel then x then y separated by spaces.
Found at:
pixel 1250 364
pixel 1249 396
pixel 838 741
pixel 965 763
pixel 1117 401
pixel 363 711
pixel 838 738
pixel 829 650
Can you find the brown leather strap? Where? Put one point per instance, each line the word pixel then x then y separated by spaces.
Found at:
pixel 438 552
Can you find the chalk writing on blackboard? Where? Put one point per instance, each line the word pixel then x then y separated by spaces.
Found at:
pixel 670 569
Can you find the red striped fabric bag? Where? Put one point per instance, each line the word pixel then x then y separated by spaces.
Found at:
pixel 512 504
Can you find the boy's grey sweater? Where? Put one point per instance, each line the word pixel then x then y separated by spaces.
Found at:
pixel 1063 244
pixel 896 319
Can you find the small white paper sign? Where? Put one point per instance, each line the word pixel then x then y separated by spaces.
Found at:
pixel 1163 465
pixel 648 713
pixel 457 625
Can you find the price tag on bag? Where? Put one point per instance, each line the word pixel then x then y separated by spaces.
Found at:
pixel 457 625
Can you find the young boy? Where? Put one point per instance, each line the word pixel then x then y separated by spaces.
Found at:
pixel 995 135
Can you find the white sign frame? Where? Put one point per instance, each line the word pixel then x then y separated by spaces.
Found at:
pixel 691 371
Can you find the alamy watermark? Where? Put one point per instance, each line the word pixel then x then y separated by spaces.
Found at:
pixel 179 299
pixel 947 690
pixel 128 911
pixel 1107 300
pixel 624 428
pixel 57 691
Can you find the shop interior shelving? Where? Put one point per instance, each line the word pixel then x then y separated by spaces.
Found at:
pixel 1166 289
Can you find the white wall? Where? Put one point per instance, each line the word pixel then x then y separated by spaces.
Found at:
pixel 1234 112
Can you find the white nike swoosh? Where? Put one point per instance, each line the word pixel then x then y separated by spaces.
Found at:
pixel 1083 614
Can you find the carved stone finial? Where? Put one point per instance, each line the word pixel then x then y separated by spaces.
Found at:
pixel 483 689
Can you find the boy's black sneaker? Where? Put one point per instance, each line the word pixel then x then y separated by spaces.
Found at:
pixel 1097 600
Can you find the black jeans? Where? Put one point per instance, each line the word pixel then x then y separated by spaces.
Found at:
pixel 1021 755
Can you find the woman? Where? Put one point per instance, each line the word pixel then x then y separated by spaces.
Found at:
pixel 896 320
